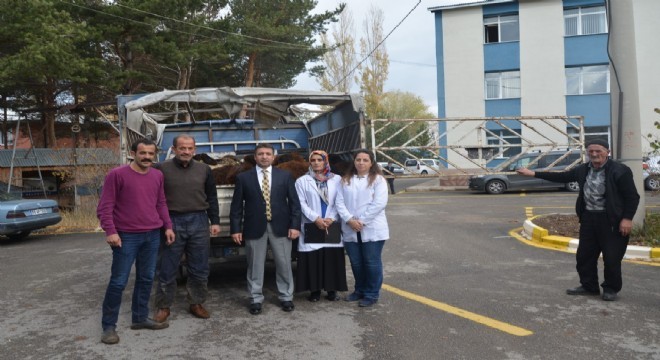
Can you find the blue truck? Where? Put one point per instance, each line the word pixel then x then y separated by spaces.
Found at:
pixel 233 120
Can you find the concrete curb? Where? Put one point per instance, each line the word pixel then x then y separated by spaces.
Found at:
pixel 540 235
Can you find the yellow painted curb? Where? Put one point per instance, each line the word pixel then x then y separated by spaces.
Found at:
pixel 655 253
pixel 539 233
pixel 557 242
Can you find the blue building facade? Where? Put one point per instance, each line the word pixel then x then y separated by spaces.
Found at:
pixel 503 58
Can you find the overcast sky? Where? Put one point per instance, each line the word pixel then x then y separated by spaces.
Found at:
pixel 411 47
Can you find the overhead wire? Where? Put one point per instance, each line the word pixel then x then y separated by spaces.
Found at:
pixel 277 44
pixel 218 30
pixel 281 45
pixel 377 45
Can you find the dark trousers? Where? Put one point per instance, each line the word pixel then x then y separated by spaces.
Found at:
pixel 598 235
pixel 192 239
pixel 390 181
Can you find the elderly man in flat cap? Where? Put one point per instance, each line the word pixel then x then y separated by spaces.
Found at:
pixel 605 207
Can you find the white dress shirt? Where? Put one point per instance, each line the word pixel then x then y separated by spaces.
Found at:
pixel 366 203
pixel 260 176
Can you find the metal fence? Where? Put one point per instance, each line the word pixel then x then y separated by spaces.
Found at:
pixel 471 145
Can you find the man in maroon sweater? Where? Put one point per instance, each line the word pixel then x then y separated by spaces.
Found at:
pixel 132 227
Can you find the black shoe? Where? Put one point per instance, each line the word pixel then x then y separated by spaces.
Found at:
pixel 314 296
pixel 353 297
pixel 149 324
pixel 255 308
pixel 367 302
pixel 609 295
pixel 332 296
pixel 287 306
pixel 580 290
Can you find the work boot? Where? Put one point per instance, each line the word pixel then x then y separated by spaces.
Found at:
pixel 110 336
pixel 161 315
pixel 199 311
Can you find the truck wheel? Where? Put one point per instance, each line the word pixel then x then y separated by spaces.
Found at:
pixel 495 187
pixel 424 172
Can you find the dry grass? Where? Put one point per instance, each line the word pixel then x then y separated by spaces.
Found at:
pixel 649 235
pixel 81 219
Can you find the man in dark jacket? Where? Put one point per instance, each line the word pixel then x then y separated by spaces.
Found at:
pixel 606 205
pixel 265 209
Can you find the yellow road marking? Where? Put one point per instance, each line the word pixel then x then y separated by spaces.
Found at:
pixel 495 324
pixel 529 212
pixel 523 194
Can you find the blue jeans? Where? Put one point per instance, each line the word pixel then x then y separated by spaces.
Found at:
pixel 141 248
pixel 192 237
pixel 367 267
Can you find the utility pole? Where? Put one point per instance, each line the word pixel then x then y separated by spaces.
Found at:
pixel 625 111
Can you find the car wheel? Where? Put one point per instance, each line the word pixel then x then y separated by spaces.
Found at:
pixel 424 172
pixel 495 187
pixel 572 186
pixel 19 235
pixel 652 183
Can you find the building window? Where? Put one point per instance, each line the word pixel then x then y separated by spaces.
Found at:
pixel 591 133
pixel 501 29
pixel 507 142
pixel 585 21
pixel 503 85
pixel 584 80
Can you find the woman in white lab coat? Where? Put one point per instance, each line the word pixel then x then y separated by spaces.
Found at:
pixel 321 266
pixel 361 202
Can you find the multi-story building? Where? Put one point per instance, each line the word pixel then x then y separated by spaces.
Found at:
pixel 499 58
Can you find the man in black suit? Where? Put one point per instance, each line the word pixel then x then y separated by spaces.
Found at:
pixel 265 209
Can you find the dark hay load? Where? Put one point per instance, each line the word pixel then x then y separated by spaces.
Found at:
pixel 221 175
pixel 205 159
pixel 235 170
pixel 229 160
pixel 284 158
pixel 250 159
pixel 296 168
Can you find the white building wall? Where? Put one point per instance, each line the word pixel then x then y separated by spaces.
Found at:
pixel 464 74
pixel 647 29
pixel 542 74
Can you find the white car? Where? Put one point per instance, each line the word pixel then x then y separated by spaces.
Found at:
pixel 423 166
pixel 397 169
pixel 651 173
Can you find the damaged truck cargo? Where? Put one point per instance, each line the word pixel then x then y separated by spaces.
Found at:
pixel 227 124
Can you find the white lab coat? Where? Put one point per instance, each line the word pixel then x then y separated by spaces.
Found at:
pixel 310 203
pixel 367 204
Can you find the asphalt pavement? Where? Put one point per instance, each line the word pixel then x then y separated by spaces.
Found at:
pixel 457 285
